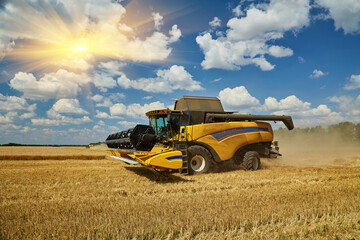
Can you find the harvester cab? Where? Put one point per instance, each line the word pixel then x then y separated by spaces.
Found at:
pixel 165 122
pixel 195 136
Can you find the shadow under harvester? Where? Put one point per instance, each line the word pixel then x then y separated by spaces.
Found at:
pixel 156 176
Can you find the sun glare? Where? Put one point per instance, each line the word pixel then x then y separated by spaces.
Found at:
pixel 77 47
pixel 80 48
pixel 56 42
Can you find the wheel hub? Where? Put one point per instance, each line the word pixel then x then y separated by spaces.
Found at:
pixel 197 163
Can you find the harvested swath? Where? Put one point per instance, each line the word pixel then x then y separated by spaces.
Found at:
pixel 51 157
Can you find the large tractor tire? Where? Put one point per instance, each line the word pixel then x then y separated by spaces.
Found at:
pixel 200 160
pixel 251 161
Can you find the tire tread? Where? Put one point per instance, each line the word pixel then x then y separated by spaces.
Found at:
pixel 247 163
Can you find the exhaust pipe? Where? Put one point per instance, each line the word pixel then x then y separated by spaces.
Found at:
pixel 217 117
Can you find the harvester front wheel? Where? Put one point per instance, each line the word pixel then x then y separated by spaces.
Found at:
pixel 200 160
pixel 251 161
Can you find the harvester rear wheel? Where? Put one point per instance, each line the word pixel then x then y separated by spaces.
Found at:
pixel 251 161
pixel 200 160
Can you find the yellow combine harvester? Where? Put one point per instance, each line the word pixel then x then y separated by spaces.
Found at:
pixel 195 136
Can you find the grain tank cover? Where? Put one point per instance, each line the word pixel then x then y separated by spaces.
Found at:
pixel 204 104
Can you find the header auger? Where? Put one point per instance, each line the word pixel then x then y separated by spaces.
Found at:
pixel 195 136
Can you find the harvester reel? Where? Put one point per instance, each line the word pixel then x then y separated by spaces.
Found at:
pixel 200 160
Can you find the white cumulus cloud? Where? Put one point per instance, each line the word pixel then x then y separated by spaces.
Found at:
pixel 74 64
pixel 106 103
pixel 349 106
pixel 167 80
pixel 60 84
pixel 250 38
pixel 61 120
pixel 138 111
pixel 238 11
pixel 56 117
pixel 279 51
pixel 216 22
pixel 118 109
pixel 238 98
pixel 158 20
pixel 104 115
pixel 318 73
pixel 354 83
pixel 8 118
pixel 97 98
pixel 15 104
pixel 175 34
pixel 148 97
pixel 103 81
pixel 117 96
pixel 69 106
pixel 112 66
pixel 154 47
pixel 346 14
pixel 127 124
pixel 293 106
pixel 302 113
pixel 134 110
pixel 103 77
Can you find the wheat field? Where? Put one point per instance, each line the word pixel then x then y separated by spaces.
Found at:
pixel 69 198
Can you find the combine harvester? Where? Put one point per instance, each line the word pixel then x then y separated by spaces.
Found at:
pixel 195 136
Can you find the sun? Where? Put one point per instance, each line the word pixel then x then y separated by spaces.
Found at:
pixel 76 47
pixel 64 52
pixel 80 48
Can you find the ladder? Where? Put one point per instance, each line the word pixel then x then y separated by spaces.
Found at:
pixel 183 148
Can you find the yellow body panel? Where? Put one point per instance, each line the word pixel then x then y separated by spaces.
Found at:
pixel 170 160
pixel 227 137
pixel 158 158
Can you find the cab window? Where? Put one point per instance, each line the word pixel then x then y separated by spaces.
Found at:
pixel 159 125
pixel 162 128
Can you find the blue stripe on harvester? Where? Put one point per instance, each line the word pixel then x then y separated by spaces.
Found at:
pixel 228 133
pixel 174 158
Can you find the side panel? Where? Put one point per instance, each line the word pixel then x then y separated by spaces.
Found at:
pixel 159 158
pixel 168 160
pixel 227 138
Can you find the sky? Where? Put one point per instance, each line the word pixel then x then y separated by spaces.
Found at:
pixel 72 72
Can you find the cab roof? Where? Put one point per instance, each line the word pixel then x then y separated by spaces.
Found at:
pixel 206 104
pixel 163 112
